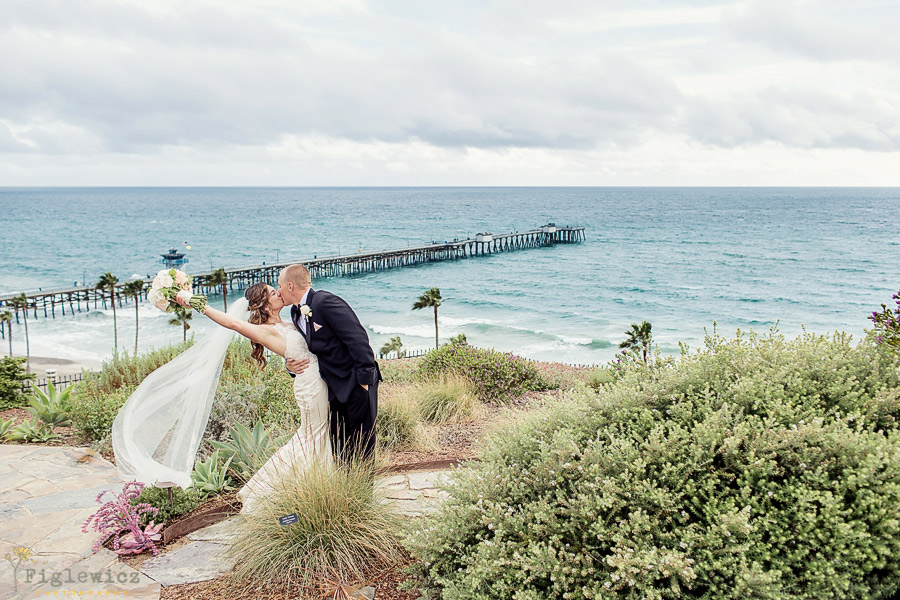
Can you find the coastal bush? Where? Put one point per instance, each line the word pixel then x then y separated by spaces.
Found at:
pixel 754 468
pixel 887 324
pixel 127 370
pixel 449 398
pixel 182 502
pixel 398 370
pixel 344 534
pixel 397 422
pixel 93 412
pixel 234 402
pixel 12 377
pixel 496 376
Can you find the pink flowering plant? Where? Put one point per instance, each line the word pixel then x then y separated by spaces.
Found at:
pixel 117 517
pixel 887 324
pixel 170 284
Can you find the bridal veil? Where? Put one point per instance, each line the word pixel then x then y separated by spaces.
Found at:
pixel 158 430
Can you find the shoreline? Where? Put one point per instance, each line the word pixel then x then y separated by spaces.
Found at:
pixel 64 366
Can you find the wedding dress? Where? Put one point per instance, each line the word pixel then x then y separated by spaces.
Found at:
pixel 312 441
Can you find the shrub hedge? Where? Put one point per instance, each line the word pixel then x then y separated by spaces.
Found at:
pixel 497 376
pixel 755 468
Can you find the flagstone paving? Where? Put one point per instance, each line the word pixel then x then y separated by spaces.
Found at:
pixel 46 493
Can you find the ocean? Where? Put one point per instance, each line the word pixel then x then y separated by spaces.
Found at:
pixel 682 258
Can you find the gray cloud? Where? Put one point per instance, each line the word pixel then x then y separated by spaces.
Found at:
pixel 797 117
pixel 95 76
pixel 139 82
pixel 783 28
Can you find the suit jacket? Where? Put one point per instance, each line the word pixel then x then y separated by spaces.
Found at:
pixel 337 338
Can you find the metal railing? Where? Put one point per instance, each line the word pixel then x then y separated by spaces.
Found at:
pixel 60 381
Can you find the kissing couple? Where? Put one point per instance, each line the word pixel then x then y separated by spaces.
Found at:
pixel 327 352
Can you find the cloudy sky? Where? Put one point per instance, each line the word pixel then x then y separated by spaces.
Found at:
pixel 487 92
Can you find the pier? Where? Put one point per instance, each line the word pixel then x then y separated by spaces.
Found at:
pixel 64 301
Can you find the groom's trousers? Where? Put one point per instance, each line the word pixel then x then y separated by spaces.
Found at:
pixel 353 424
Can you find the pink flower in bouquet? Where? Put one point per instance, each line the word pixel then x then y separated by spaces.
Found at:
pixel 181 279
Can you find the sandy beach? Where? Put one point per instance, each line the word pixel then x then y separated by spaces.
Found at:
pixel 40 364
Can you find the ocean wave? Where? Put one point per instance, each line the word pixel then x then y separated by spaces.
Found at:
pixel 485 331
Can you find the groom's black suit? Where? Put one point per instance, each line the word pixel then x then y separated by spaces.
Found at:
pixel 346 363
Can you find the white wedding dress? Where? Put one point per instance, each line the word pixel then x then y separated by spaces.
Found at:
pixel 312 441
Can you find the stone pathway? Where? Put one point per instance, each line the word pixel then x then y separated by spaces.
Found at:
pixel 47 493
pixel 45 496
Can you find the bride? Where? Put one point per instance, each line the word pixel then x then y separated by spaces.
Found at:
pixel 266 330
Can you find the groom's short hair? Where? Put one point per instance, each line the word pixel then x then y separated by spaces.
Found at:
pixel 298 275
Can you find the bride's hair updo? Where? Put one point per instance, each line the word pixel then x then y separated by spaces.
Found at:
pixel 258 297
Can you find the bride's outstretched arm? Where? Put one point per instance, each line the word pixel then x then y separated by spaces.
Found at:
pixel 262 334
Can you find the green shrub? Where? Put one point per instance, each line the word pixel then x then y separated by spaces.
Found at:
pixel 12 376
pixel 756 468
pixel 234 402
pixel 447 399
pixel 398 370
pixel 93 413
pixel 397 422
pixel 124 370
pixel 345 532
pixel 497 376
pixel 277 404
pixel 183 502
pixel 598 377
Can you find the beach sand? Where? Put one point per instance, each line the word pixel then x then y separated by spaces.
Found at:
pixel 63 366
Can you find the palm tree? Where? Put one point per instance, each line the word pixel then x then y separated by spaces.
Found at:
pixel 134 289
pixel 182 316
pixel 395 345
pixel 431 297
pixel 639 338
pixel 108 282
pixel 6 319
pixel 20 302
pixel 220 277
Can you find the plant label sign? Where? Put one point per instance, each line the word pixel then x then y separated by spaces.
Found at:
pixel 288 519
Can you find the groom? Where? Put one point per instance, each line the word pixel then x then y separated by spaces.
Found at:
pixel 346 361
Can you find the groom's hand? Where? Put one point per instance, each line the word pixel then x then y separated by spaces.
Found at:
pixel 296 366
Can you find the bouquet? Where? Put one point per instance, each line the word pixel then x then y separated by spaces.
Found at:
pixel 170 284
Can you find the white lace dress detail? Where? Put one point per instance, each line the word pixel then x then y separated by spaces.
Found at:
pixel 312 440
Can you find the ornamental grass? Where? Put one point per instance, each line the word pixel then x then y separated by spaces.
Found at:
pixel 345 532
pixel 447 399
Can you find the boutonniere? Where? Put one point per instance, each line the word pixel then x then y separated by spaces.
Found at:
pixel 306 311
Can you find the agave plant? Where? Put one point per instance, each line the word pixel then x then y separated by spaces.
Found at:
pixel 118 516
pixel 248 449
pixel 211 476
pixel 5 428
pixel 32 430
pixel 52 407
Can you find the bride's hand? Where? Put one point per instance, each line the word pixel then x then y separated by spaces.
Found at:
pixel 296 366
pixel 180 300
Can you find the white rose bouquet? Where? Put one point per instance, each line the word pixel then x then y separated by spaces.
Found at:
pixel 169 284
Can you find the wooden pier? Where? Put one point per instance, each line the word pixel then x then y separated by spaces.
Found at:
pixel 50 303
